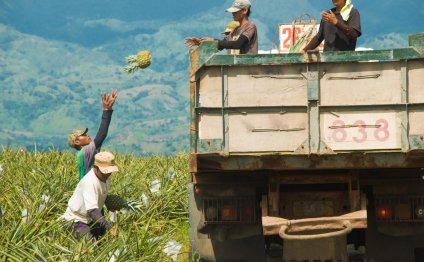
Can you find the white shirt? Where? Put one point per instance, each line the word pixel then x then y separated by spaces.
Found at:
pixel 90 193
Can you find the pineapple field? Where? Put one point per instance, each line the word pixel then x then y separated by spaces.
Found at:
pixel 151 226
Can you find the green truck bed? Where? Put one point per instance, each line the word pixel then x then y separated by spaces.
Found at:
pixel 329 110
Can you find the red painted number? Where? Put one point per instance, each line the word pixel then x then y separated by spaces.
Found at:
pixel 380 134
pixel 339 135
pixel 361 131
pixel 287 31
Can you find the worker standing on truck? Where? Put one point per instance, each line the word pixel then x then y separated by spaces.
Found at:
pixel 191 41
pixel 339 28
pixel 244 37
pixel 82 142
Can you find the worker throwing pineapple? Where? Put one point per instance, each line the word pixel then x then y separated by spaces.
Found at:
pixel 85 205
pixel 83 143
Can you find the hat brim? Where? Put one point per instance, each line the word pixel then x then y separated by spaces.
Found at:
pixel 82 131
pixel 108 169
pixel 85 131
pixel 233 9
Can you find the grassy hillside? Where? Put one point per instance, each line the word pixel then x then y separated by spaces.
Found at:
pixel 52 87
pixel 35 189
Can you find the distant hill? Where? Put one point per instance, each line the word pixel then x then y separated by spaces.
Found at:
pixel 52 87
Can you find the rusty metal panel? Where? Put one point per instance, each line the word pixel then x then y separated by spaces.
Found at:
pixel 210 126
pixel 416 81
pixel 416 142
pixel 209 145
pixel 416 123
pixel 342 160
pixel 210 89
pixel 313 204
pixel 267 132
pixel 267 86
pixel 361 83
pixel 342 106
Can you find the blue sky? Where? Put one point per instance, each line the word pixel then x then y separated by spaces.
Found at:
pixel 384 22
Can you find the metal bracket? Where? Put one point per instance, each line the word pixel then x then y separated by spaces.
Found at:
pixel 323 148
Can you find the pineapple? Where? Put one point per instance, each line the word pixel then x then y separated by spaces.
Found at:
pixel 142 60
pixel 115 202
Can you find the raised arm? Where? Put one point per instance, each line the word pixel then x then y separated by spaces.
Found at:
pixel 107 103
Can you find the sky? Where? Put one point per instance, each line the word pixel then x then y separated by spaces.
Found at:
pixel 66 19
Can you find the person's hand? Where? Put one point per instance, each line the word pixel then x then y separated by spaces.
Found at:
pixel 329 17
pixel 109 100
pixel 192 41
pixel 113 231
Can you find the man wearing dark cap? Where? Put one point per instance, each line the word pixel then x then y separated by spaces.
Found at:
pixel 339 28
pixel 82 142
pixel 85 204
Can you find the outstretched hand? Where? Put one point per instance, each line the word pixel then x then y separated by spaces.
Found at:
pixel 192 41
pixel 109 100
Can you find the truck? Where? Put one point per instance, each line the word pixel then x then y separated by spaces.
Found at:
pixel 307 157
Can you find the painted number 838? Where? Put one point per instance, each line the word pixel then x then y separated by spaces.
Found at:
pixel 379 131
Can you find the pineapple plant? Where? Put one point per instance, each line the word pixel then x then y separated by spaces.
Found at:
pixel 26 183
pixel 141 60
pixel 115 202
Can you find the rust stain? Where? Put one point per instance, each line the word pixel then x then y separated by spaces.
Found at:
pixel 194 61
pixel 302 162
pixel 192 163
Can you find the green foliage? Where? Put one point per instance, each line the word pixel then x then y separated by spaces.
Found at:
pixel 42 183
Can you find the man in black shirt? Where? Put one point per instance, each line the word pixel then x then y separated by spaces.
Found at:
pixel 243 38
pixel 339 28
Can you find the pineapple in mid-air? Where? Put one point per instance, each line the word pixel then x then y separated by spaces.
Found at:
pixel 142 60
pixel 115 202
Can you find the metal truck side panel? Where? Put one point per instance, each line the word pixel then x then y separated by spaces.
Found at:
pixel 335 102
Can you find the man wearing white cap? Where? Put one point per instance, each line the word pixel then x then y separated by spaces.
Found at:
pixel 339 27
pixel 244 38
pixel 84 207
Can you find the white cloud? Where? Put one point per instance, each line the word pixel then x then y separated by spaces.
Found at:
pixel 120 26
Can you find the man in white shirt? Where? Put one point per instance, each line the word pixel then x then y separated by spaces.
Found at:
pixel 84 207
